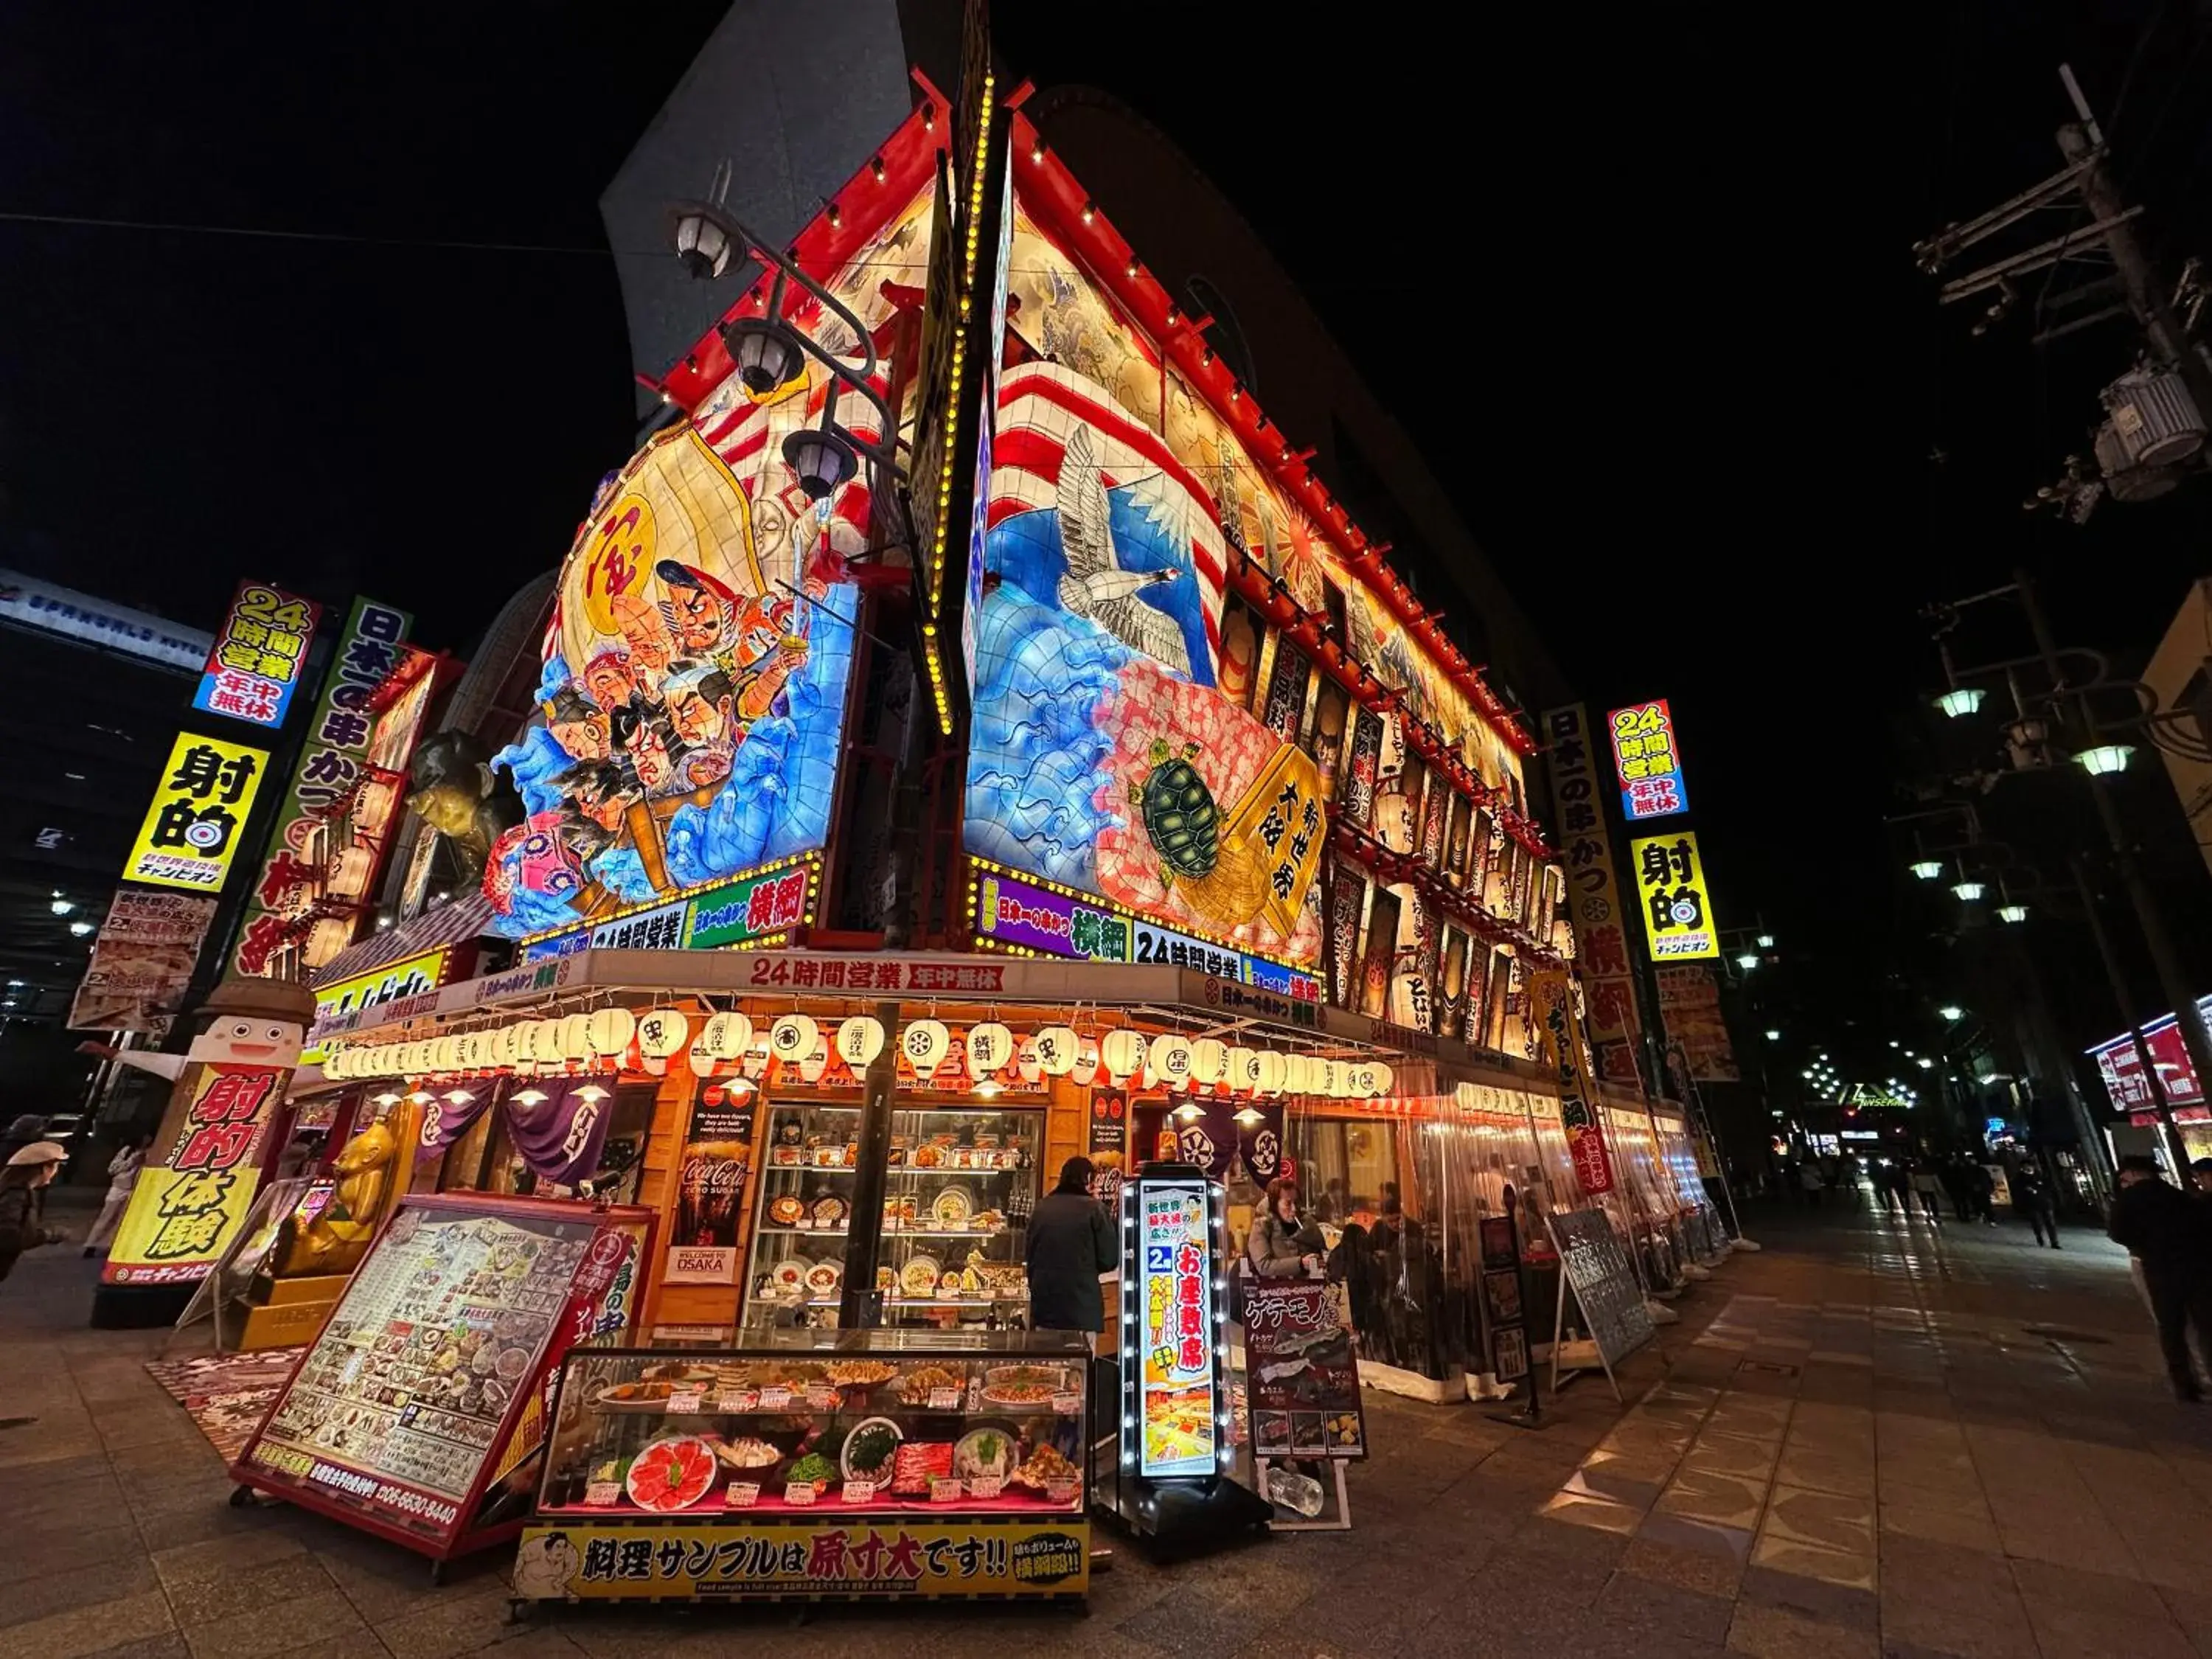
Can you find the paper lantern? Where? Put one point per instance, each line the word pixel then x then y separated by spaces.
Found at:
pixel 860 1039
pixel 924 1043
pixel 1271 1072
pixel 1170 1057
pixel 816 1062
pixel 334 1064
pixel 576 1037
pixel 1332 1081
pixel 444 1054
pixel 1298 1074
pixel 990 1046
pixel 1028 1066
pixel 792 1038
pixel 541 1041
pixel 1122 1054
pixel 661 1034
pixel 1209 1061
pixel 1056 1050
pixel 1360 1079
pixel 507 1045
pixel 728 1036
pixel 1242 1069
pixel 1086 1061
pixel 609 1031
pixel 1384 1077
pixel 702 1063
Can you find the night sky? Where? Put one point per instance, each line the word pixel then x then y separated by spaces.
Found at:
pixel 1642 290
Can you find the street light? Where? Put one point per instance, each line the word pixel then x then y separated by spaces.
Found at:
pixel 1952 1011
pixel 1968 891
pixel 79 928
pixel 1774 1037
pixel 2012 913
pixel 1929 869
pixel 1960 701
pixel 1925 1064
pixel 1765 941
pixel 2105 757
pixel 1747 961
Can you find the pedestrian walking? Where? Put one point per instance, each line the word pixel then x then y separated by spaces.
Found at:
pixel 2031 1197
pixel 1928 1187
pixel 122 1179
pixel 1071 1248
pixel 1981 1193
pixel 2171 1237
pixel 1810 1178
pixel 27 1173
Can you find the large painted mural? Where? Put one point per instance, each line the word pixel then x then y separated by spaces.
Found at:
pixel 692 696
pixel 1138 734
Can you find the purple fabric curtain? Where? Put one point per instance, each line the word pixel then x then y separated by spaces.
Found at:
pixel 445 1121
pixel 560 1138
pixel 1261 1144
pixel 1209 1140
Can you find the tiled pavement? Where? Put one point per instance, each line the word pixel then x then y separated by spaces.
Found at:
pixel 1863 1439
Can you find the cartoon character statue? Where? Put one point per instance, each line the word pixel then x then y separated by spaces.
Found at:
pixel 335 1241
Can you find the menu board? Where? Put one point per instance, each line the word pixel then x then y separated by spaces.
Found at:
pixel 1301 1380
pixel 1596 1264
pixel 1179 1394
pixel 428 1371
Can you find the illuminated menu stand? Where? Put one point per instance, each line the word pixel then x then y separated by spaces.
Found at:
pixel 1167 1484
pixel 859 1465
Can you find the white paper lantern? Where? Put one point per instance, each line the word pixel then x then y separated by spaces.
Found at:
pixel 990 1046
pixel 1270 1071
pixel 608 1032
pixel 1334 1083
pixel 1297 1072
pixel 792 1038
pixel 444 1054
pixel 1242 1069
pixel 1027 1065
pixel 1170 1057
pixel 1209 1061
pixel 661 1033
pixel 1360 1079
pixel 1123 1053
pixel 816 1062
pixel 334 1064
pixel 924 1043
pixel 507 1046
pixel 1383 1077
pixel 1085 1069
pixel 541 1041
pixel 860 1039
pixel 728 1036
pixel 576 1037
pixel 1056 1050
pixel 701 1062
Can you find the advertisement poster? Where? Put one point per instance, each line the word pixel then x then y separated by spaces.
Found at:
pixel 331 753
pixel 1647 762
pixel 186 1206
pixel 426 1380
pixel 199 809
pixel 1690 1007
pixel 1678 912
pixel 889 1559
pixel 260 653
pixel 1504 1311
pixel 1107 1144
pixel 1602 924
pixel 1595 1263
pixel 1302 1381
pixel 1176 1340
pixel 710 1193
pixel 142 961
pixel 1551 1009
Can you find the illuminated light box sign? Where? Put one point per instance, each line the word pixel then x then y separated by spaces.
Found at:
pixel 191 829
pixel 2120 1064
pixel 1678 912
pixel 1014 912
pixel 1174 1340
pixel 1647 762
pixel 765 904
pixel 260 653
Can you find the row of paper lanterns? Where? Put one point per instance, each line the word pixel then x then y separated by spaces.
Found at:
pixel 728 1042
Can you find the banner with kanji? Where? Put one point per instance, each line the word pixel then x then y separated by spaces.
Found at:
pixel 198 811
pixel 331 754
pixel 1592 881
pixel 142 961
pixel 259 656
pixel 1690 1005
pixel 1552 1007
pixel 186 1206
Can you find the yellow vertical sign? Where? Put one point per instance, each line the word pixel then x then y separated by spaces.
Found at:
pixel 1678 911
pixel 198 813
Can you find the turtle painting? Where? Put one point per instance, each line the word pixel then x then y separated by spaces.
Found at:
pixel 1180 815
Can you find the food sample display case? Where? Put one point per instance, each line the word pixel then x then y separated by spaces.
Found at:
pixel 862 1464
pixel 961 1186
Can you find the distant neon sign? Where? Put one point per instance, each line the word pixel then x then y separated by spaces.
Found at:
pixel 1647 762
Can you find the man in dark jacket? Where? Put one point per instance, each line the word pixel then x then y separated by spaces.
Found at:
pixel 2171 1236
pixel 1071 1245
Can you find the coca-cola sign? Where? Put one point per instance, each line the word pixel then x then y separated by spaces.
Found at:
pixel 710 1190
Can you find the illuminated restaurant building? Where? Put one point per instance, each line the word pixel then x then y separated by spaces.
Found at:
pixel 1184 826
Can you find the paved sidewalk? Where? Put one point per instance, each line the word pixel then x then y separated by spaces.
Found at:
pixel 1868 1438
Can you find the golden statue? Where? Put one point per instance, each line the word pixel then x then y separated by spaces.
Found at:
pixel 337 1238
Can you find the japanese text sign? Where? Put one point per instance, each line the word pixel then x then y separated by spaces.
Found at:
pixel 1677 913
pixel 331 754
pixel 879 1558
pixel 1552 1006
pixel 199 811
pixel 259 654
pixel 1647 761
pixel 1175 1346
pixel 1593 887
pixel 183 1212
